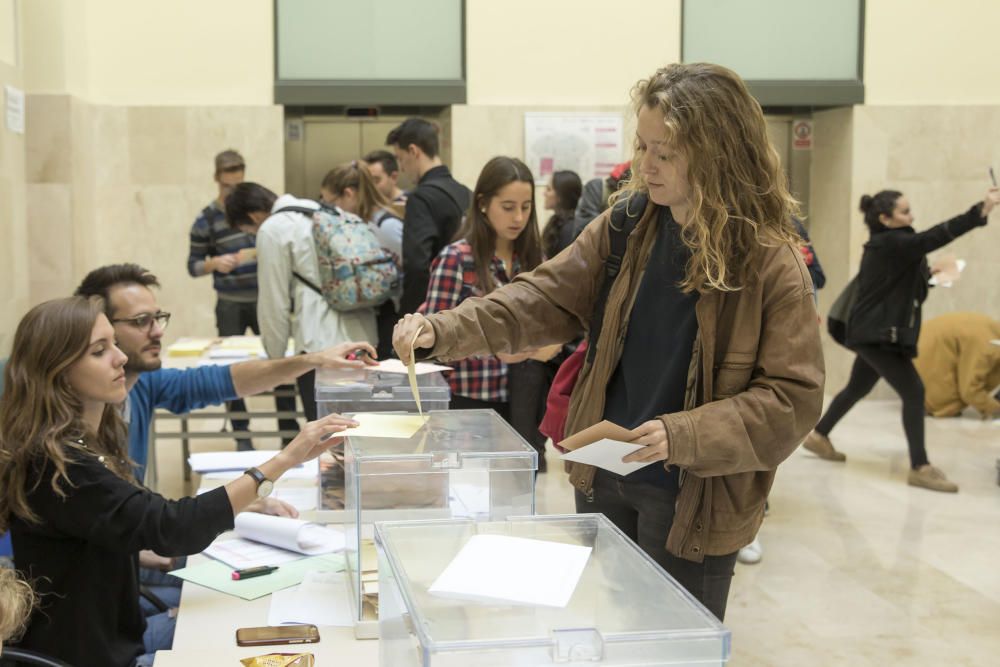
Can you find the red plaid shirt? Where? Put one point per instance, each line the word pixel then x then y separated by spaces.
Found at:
pixel 453 280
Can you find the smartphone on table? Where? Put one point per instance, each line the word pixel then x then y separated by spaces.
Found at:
pixel 277 634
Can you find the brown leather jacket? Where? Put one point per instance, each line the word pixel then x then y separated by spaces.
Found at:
pixel 754 390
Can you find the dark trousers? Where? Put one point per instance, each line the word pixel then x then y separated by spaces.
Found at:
pixel 871 363
pixel 466 403
pixel 645 513
pixel 307 392
pixel 528 386
pixel 233 318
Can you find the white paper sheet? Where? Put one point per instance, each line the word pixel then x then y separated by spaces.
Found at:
pixel 607 454
pixel 498 569
pixel 303 499
pixel 321 599
pixel 272 540
pixel 420 368
pixel 230 465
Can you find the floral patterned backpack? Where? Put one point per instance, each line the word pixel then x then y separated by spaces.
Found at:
pixel 355 270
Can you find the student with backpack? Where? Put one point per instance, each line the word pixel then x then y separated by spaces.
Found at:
pixel 351 188
pixel 434 209
pixel 704 338
pixel 301 252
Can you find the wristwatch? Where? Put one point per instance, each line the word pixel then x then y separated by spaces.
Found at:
pixel 264 485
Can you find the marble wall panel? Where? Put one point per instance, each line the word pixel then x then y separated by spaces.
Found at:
pixel 48 143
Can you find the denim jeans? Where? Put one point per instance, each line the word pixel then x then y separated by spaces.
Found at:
pixel 165 586
pixel 645 513
pixel 159 636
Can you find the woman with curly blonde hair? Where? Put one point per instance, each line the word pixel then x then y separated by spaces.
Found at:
pixel 705 341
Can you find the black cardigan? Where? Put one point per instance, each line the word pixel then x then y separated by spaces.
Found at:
pixel 892 282
pixel 83 558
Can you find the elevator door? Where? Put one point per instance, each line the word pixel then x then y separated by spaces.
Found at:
pixel 795 162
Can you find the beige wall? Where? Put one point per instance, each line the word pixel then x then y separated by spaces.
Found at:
pixel 15 269
pixel 138 52
pixel 128 103
pixel 931 52
pixel 566 52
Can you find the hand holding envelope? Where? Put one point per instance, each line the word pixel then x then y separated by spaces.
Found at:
pixel 616 448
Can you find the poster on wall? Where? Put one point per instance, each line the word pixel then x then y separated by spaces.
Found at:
pixel 588 143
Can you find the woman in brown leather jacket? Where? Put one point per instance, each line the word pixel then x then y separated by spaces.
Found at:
pixel 709 347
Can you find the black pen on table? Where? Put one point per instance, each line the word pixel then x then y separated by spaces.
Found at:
pixel 250 572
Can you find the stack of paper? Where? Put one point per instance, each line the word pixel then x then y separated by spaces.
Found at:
pixel 189 347
pixel 503 570
pixel 321 599
pixel 230 465
pixel 219 576
pixel 272 540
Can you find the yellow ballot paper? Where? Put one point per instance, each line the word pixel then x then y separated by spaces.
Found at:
pixel 411 370
pixel 385 425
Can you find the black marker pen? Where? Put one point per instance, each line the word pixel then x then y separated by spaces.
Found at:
pixel 251 572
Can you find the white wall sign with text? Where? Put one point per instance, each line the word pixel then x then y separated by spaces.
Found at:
pixel 589 144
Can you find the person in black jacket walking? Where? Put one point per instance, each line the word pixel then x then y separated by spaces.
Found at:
pixel 884 322
pixel 434 209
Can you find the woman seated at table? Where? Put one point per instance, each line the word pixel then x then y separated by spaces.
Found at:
pixel 77 516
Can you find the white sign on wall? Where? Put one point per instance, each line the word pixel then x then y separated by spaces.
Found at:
pixel 589 144
pixel 15 109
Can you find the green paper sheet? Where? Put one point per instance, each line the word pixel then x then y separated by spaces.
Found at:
pixel 219 576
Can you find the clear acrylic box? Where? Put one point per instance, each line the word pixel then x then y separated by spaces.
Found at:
pixel 363 390
pixel 463 463
pixel 625 610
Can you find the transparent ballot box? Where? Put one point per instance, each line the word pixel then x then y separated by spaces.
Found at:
pixel 462 463
pixel 363 390
pixel 623 609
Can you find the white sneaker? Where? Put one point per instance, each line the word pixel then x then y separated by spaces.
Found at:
pixel 751 553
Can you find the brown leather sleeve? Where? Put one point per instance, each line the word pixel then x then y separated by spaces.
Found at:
pixel 551 304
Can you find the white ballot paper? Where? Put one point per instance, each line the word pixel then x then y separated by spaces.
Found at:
pixel 419 368
pixel 272 540
pixel 502 570
pixel 607 454
pixel 321 599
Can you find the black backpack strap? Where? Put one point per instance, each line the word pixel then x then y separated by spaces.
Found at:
pixel 308 283
pixel 304 210
pixel 625 215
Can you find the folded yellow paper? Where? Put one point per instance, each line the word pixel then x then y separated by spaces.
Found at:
pixel 280 660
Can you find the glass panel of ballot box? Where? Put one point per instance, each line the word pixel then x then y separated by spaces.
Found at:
pixel 468 464
pixel 365 390
pixel 624 609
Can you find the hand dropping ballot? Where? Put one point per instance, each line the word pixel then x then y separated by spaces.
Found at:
pixel 604 445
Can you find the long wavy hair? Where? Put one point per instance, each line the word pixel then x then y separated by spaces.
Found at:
pixel 497 174
pixel 41 416
pixel 358 177
pixel 739 194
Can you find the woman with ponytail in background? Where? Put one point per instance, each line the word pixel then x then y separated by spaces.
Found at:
pixel 884 322
pixel 351 188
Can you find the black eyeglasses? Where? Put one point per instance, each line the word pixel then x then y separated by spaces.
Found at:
pixel 145 321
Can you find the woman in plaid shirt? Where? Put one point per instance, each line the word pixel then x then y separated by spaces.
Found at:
pixel 498 239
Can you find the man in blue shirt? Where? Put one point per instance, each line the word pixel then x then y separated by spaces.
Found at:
pixel 139 324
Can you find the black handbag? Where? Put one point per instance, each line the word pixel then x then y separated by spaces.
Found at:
pixel 837 320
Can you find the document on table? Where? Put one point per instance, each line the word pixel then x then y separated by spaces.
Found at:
pixel 420 368
pixel 321 599
pixel 378 425
pixel 503 570
pixel 230 465
pixel 270 540
pixel 219 576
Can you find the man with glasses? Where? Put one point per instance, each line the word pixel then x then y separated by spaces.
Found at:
pixel 139 323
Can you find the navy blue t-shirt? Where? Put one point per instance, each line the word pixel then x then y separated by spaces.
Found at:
pixel 651 377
